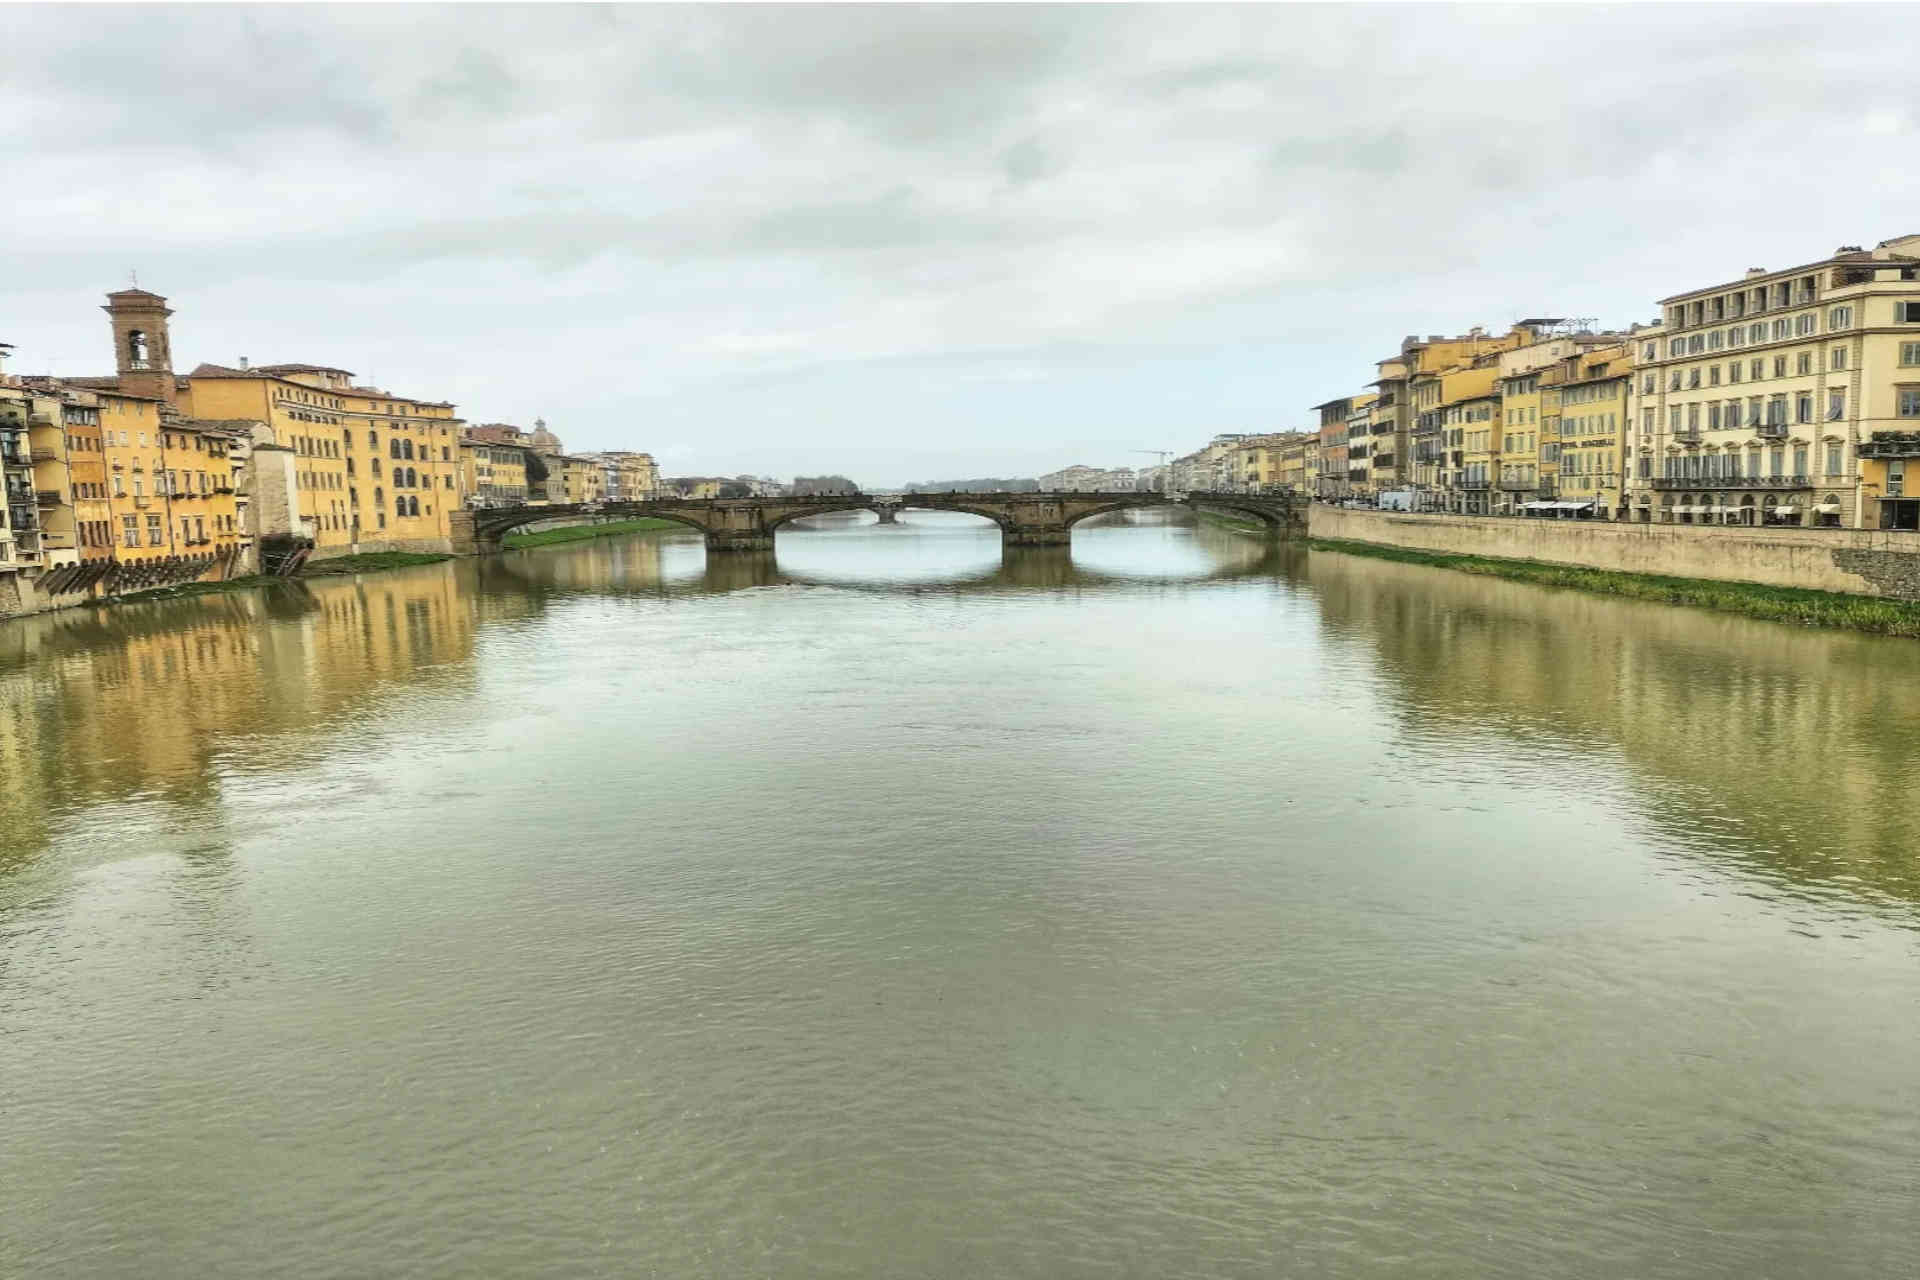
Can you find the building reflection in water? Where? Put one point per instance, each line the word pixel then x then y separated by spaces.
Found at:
pixel 1795 753
pixel 157 702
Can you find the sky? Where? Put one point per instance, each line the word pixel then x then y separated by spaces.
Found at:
pixel 916 243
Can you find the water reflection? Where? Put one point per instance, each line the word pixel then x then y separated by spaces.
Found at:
pixel 1792 752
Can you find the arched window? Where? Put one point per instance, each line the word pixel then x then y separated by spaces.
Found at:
pixel 406 449
pixel 393 447
pixel 413 506
pixel 375 464
pixel 379 496
pixel 136 349
pixel 399 504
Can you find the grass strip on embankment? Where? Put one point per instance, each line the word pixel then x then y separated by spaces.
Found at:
pixel 1874 614
pixel 583 532
pixel 1232 523
pixel 370 562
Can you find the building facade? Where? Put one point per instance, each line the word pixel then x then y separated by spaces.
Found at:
pixel 1783 397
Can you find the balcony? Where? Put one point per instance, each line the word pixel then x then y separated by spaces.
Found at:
pixel 1685 435
pixel 1890 444
pixel 1771 431
pixel 44 454
pixel 1475 483
pixel 1519 486
pixel 49 498
pixel 40 420
pixel 142 500
pixel 1732 482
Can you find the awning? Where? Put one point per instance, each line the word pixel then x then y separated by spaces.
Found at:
pixel 1786 511
pixel 1828 508
pixel 1535 506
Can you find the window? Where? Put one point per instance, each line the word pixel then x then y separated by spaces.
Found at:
pixel 1734 370
pixel 1649 351
pixel 1910 353
pixel 1736 337
pixel 1713 375
pixel 130 530
pixel 1836 405
pixel 1803 407
pixel 1803 324
pixel 1757 369
pixel 1693 377
pixel 1782 328
pixel 1646 421
pixel 399 505
pixel 1779 366
pixel 1803 363
pixel 1910 402
pixel 156 532
pixel 1833 459
pixel 1906 312
pixel 1673 381
pixel 1837 358
pixel 1799 460
pixel 1840 318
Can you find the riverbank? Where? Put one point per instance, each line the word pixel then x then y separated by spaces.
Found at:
pixel 371 562
pixel 586 532
pixel 1231 523
pixel 1873 614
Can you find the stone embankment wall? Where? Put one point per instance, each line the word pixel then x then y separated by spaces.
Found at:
pixel 1853 561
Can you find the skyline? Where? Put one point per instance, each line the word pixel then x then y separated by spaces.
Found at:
pixel 912 245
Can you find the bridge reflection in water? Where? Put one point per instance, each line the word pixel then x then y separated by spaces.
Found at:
pixel 923 552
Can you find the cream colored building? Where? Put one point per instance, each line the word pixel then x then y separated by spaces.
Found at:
pixel 1785 397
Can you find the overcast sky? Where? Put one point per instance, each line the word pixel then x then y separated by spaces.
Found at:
pixel 916 243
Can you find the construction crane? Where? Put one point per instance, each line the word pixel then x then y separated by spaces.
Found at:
pixel 1166 479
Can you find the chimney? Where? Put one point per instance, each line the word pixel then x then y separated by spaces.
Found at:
pixel 243 364
pixel 1755 271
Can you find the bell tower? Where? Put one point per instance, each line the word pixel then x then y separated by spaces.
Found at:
pixel 142 355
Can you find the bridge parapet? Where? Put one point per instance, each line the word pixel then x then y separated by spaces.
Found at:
pixel 1031 519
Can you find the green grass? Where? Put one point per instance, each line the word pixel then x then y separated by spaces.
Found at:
pixel 370 561
pixel 1874 614
pixel 583 532
pixel 1234 523
pixel 184 589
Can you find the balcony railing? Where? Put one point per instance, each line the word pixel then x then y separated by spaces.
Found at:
pixel 142 500
pixel 49 498
pixel 1896 446
pixel 1519 486
pixel 1771 430
pixel 1466 483
pixel 1686 435
pixel 1733 482
pixel 44 454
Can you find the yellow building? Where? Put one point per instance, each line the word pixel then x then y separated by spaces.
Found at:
pixel 627 476
pixel 1594 393
pixel 372 470
pixel 1786 397
pixel 493 475
pixel 1468 404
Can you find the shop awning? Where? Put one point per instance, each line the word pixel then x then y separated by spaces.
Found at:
pixel 1828 508
pixel 1786 511
pixel 1535 506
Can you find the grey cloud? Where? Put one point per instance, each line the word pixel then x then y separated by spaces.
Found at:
pixel 752 209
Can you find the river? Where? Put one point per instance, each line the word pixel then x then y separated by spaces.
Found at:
pixel 893 906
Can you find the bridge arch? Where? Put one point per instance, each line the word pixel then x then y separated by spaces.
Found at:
pixel 495 523
pixel 823 508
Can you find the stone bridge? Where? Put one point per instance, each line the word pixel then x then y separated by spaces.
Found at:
pixel 748 524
